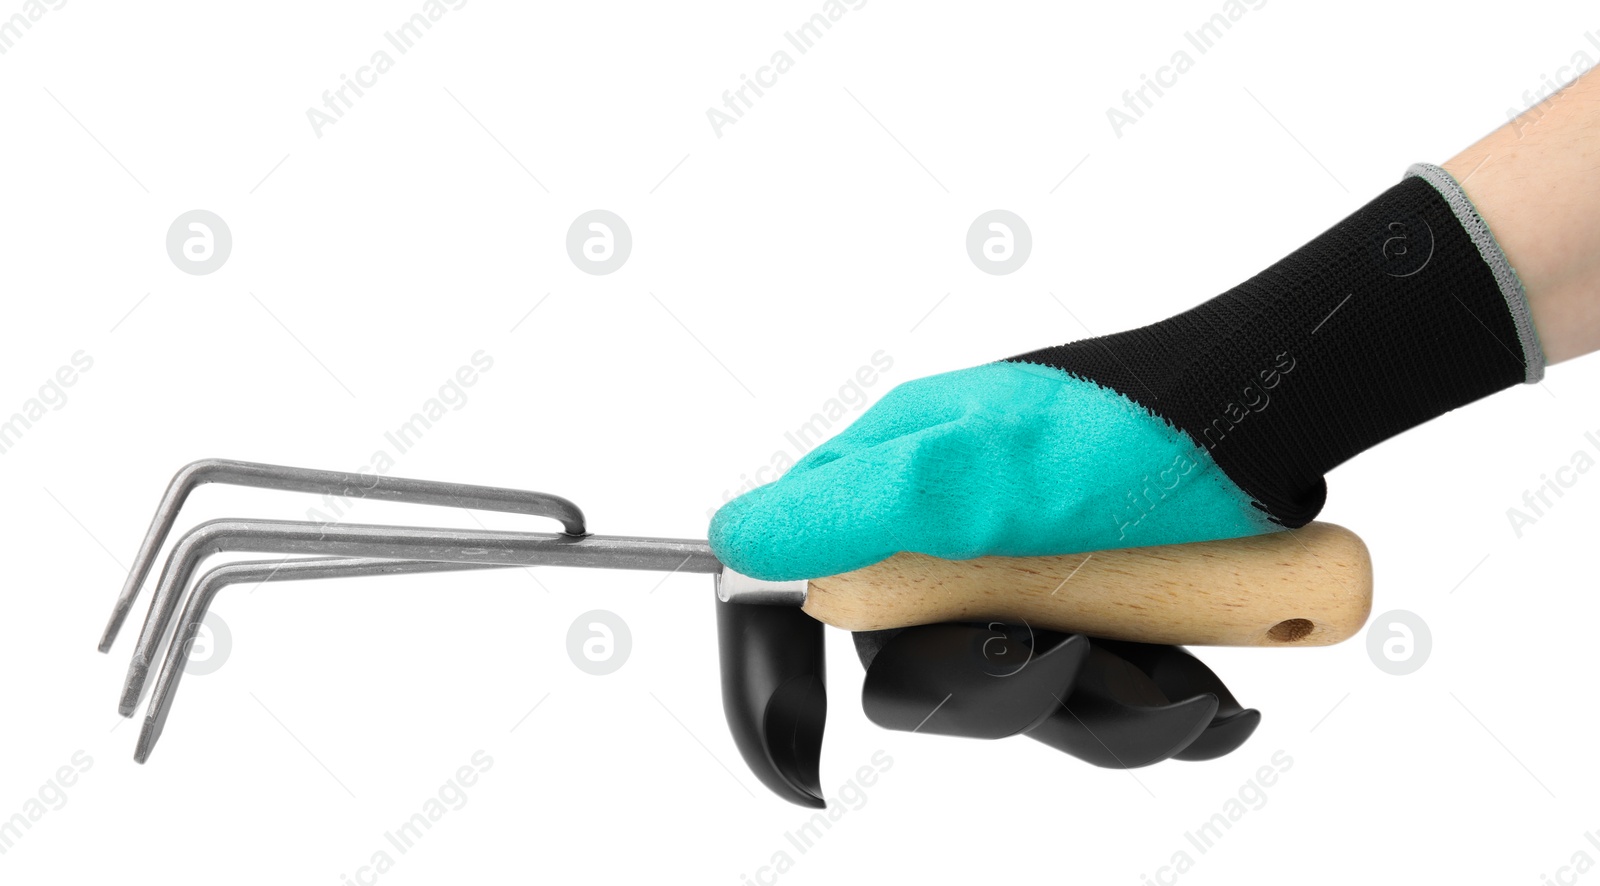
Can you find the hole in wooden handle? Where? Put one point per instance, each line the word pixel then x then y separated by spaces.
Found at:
pixel 1290 630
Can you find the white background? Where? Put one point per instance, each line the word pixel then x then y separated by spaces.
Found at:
pixel 768 265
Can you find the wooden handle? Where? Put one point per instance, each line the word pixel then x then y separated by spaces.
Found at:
pixel 1304 587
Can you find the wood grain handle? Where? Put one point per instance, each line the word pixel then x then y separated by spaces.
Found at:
pixel 1304 587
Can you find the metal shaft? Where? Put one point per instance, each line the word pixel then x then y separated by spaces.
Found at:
pixel 258 572
pixel 400 543
pixel 336 483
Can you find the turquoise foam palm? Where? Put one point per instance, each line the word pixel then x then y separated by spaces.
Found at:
pixel 1007 458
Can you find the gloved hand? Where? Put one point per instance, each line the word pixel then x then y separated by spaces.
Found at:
pixel 1007 458
pixel 1216 423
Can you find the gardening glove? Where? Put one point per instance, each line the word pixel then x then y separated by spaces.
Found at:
pixel 1219 422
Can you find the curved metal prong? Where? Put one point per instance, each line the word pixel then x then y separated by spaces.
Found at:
pixel 256 572
pixel 336 483
pixel 394 543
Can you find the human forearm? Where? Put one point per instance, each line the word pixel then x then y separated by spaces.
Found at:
pixel 1536 181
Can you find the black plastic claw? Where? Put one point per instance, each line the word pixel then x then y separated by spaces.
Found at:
pixel 1117 717
pixel 1110 703
pixel 1181 675
pixel 968 680
pixel 868 643
pixel 1224 736
pixel 774 695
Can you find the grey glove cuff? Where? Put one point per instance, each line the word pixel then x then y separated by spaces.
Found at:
pixel 1504 274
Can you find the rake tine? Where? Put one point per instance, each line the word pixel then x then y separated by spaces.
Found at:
pixel 337 483
pixel 394 543
pixel 257 571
